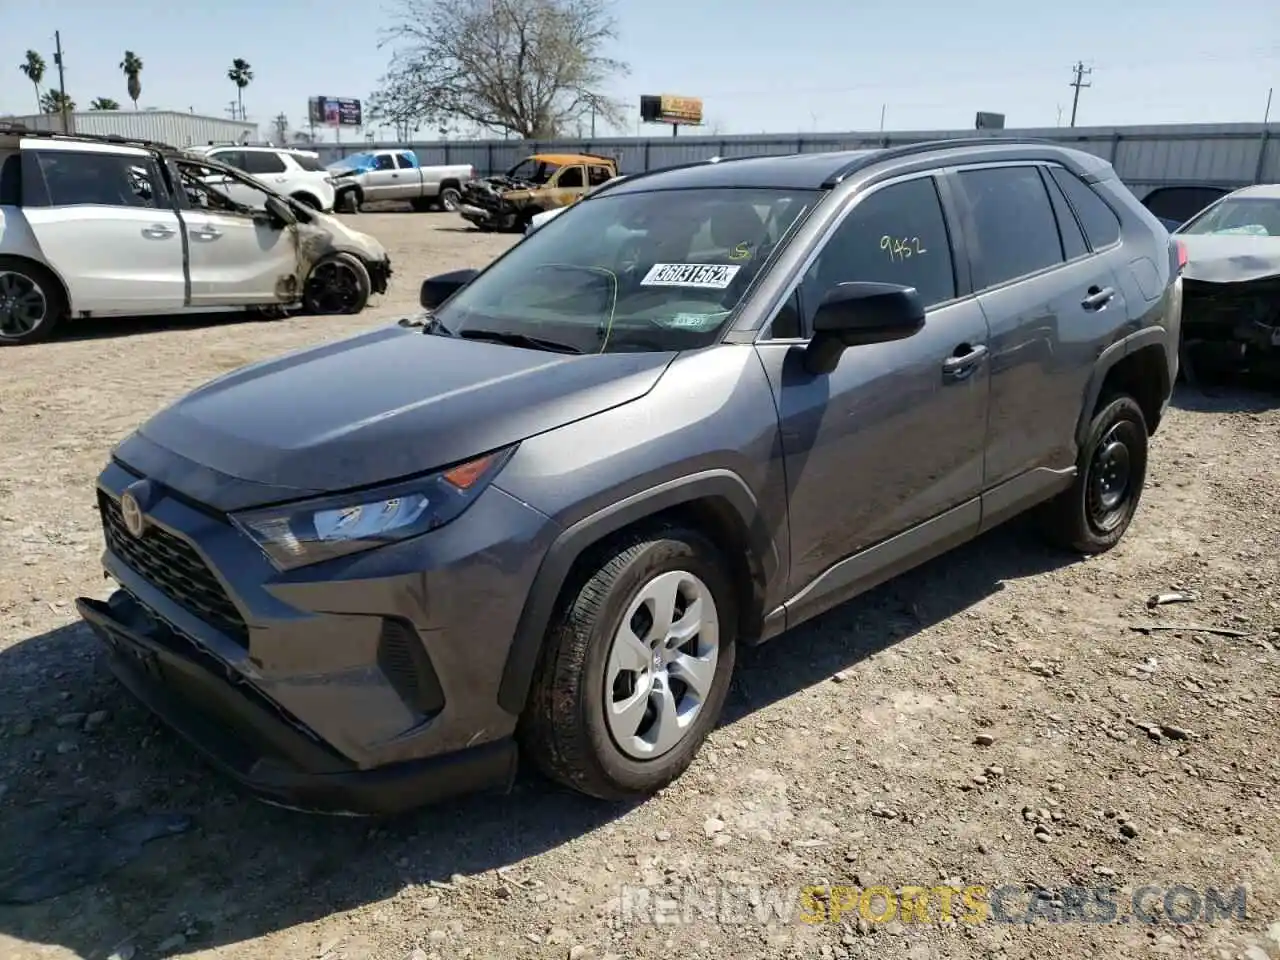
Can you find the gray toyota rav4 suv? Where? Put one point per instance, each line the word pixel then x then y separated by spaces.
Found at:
pixel 704 405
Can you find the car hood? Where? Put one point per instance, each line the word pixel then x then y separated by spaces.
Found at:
pixel 326 233
pixel 369 409
pixel 1230 258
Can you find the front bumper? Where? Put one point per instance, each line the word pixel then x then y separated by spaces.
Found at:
pixel 475 214
pixel 379 274
pixel 376 662
pixel 259 746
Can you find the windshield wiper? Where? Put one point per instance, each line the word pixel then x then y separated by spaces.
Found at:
pixel 519 340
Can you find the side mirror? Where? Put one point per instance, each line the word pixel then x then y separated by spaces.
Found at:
pixel 280 211
pixel 436 290
pixel 853 314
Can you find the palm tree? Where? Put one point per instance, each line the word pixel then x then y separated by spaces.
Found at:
pixel 55 101
pixel 132 67
pixel 33 67
pixel 241 74
pixel 104 103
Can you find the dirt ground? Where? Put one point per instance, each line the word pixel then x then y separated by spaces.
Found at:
pixel 1001 718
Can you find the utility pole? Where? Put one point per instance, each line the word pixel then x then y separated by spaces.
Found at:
pixel 62 82
pixel 1081 71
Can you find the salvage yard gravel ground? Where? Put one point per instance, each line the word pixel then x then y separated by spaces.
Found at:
pixel 1004 717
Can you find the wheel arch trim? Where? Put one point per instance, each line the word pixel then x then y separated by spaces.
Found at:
pixel 576 539
pixel 1155 336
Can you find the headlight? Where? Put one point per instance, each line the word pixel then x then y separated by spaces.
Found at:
pixel 299 534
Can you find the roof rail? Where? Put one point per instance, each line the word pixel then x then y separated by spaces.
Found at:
pixel 876 155
pixel 93 138
pixel 676 166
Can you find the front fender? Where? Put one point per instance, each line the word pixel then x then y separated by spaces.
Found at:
pixel 722 485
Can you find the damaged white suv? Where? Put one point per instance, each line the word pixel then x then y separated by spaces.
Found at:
pixel 102 226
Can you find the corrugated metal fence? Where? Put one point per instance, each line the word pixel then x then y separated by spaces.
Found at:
pixel 1144 156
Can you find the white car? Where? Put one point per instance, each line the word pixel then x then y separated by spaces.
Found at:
pixel 295 173
pixel 93 226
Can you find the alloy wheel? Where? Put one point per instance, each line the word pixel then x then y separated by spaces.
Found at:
pixel 661 665
pixel 333 287
pixel 23 305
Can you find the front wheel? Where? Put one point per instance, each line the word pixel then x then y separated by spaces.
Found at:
pixel 337 284
pixel 636 667
pixel 1092 515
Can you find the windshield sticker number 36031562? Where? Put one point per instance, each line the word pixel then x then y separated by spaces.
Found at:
pixel 708 276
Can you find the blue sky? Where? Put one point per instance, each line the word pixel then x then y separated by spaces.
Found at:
pixel 799 65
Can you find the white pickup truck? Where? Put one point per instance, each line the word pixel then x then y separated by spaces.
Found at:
pixel 376 175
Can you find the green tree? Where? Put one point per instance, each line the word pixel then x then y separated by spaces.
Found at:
pixel 131 65
pixel 104 103
pixel 241 74
pixel 33 67
pixel 54 101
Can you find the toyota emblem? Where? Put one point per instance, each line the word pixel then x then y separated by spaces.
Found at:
pixel 131 513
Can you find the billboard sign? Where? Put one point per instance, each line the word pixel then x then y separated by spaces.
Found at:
pixel 335 112
pixel 988 121
pixel 668 108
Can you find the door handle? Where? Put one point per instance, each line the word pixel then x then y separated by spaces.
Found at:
pixel 158 231
pixel 1098 297
pixel 395 176
pixel 964 361
pixel 206 233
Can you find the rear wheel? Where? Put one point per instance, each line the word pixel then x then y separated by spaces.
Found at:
pixel 337 284
pixel 450 197
pixel 1093 514
pixel 636 667
pixel 32 303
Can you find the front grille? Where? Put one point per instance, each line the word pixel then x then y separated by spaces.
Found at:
pixel 173 567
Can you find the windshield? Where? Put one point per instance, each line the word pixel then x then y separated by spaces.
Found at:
pixel 641 271
pixel 535 171
pixel 353 162
pixel 1239 216
pixel 309 163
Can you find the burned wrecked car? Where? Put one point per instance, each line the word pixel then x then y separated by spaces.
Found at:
pixel 105 226
pixel 544 181
pixel 1231 284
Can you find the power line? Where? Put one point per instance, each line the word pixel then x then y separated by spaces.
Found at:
pixel 1081 71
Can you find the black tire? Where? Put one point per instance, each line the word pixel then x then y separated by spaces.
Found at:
pixel 564 731
pixel 1092 515
pixel 338 284
pixel 450 197
pixel 348 201
pixel 307 200
pixel 22 279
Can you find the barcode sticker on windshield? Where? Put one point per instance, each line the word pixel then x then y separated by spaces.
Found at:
pixel 709 276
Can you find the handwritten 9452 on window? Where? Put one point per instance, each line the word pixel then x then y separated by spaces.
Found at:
pixel 902 248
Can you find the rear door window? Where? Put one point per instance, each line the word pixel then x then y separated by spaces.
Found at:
pixel 404 161
pixel 99 179
pixel 1101 225
pixel 1014 227
pixel 1073 242
pixel 262 161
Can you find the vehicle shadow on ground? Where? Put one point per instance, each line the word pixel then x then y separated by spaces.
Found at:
pixel 244 870
pixel 105 328
pixel 1243 394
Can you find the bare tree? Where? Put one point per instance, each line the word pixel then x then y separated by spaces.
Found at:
pixel 533 68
